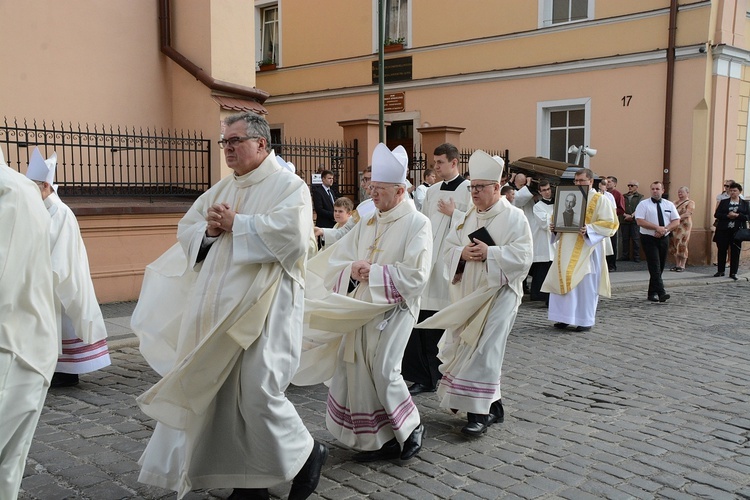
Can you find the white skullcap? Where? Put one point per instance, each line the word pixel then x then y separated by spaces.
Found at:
pixel 42 170
pixel 485 167
pixel 389 166
pixel 286 165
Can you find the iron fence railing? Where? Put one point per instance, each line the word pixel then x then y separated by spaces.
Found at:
pixel 420 162
pixel 96 161
pixel 311 156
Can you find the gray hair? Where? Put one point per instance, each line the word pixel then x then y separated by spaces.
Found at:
pixel 685 188
pixel 257 126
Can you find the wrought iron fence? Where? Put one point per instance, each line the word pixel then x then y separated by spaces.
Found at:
pixel 419 162
pixel 94 161
pixel 310 156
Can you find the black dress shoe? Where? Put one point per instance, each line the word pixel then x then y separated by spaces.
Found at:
pixel 733 276
pixel 413 443
pixel 418 388
pixel 653 298
pixel 60 379
pixel 497 411
pixel 718 275
pixel 307 478
pixel 560 326
pixel 664 298
pixel 388 451
pixel 582 329
pixel 478 424
pixel 249 494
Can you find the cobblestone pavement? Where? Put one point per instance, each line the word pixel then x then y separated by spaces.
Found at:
pixel 654 402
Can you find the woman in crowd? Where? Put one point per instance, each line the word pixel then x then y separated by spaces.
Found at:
pixel 731 215
pixel 678 244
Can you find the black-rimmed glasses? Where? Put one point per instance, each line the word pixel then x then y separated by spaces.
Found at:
pixel 478 187
pixel 234 141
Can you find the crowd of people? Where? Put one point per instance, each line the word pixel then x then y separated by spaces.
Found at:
pixel 404 294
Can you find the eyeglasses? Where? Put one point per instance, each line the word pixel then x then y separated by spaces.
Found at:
pixel 478 187
pixel 378 189
pixel 727 185
pixel 234 141
pixel 632 185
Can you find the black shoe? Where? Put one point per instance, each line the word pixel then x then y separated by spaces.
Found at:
pixel 497 411
pixel 413 443
pixel 718 275
pixel 418 388
pixel 307 478
pixel 612 269
pixel 60 379
pixel 664 298
pixel 388 451
pixel 249 494
pixel 560 326
pixel 582 329
pixel 478 424
pixel 653 298
pixel 733 276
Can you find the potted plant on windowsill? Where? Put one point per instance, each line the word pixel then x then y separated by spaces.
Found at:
pixel 266 65
pixel 393 44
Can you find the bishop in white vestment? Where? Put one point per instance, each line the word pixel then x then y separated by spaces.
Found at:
pixel 376 274
pixel 82 330
pixel 579 271
pixel 220 318
pixel 486 276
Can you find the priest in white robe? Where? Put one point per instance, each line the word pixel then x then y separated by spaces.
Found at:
pixel 373 278
pixel 220 318
pixel 579 273
pixel 486 276
pixel 82 329
pixel 28 331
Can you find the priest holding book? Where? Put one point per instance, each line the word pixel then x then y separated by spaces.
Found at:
pixel 487 257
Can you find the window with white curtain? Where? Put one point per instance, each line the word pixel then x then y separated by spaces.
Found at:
pixel 397 20
pixel 269 34
pixel 553 12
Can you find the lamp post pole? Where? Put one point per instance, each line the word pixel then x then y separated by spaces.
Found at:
pixel 381 77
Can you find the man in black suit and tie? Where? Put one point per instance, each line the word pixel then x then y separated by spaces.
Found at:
pixel 323 197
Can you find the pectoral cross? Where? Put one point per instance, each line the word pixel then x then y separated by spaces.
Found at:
pixel 372 249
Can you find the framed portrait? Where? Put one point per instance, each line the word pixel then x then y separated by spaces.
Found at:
pixel 569 210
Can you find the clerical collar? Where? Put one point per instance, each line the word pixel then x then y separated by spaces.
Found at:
pixel 452 184
pixel 656 200
pixel 548 202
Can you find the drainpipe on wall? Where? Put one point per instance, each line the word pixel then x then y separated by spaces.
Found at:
pixel 165 41
pixel 669 96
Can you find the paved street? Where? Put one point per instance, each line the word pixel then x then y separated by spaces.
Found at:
pixel 654 402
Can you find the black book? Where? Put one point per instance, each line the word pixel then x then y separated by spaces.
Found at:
pixel 482 235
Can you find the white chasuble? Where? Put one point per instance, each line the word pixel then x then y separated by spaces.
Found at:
pixel 83 333
pixel 226 334
pixel 485 299
pixel 360 336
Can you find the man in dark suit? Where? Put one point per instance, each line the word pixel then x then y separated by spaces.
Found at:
pixel 323 197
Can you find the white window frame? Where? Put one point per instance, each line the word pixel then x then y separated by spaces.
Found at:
pixel 376 28
pixel 543 110
pixel 545 14
pixel 260 5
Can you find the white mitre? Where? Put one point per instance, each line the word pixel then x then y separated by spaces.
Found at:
pixel 485 167
pixel 41 170
pixel 389 166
